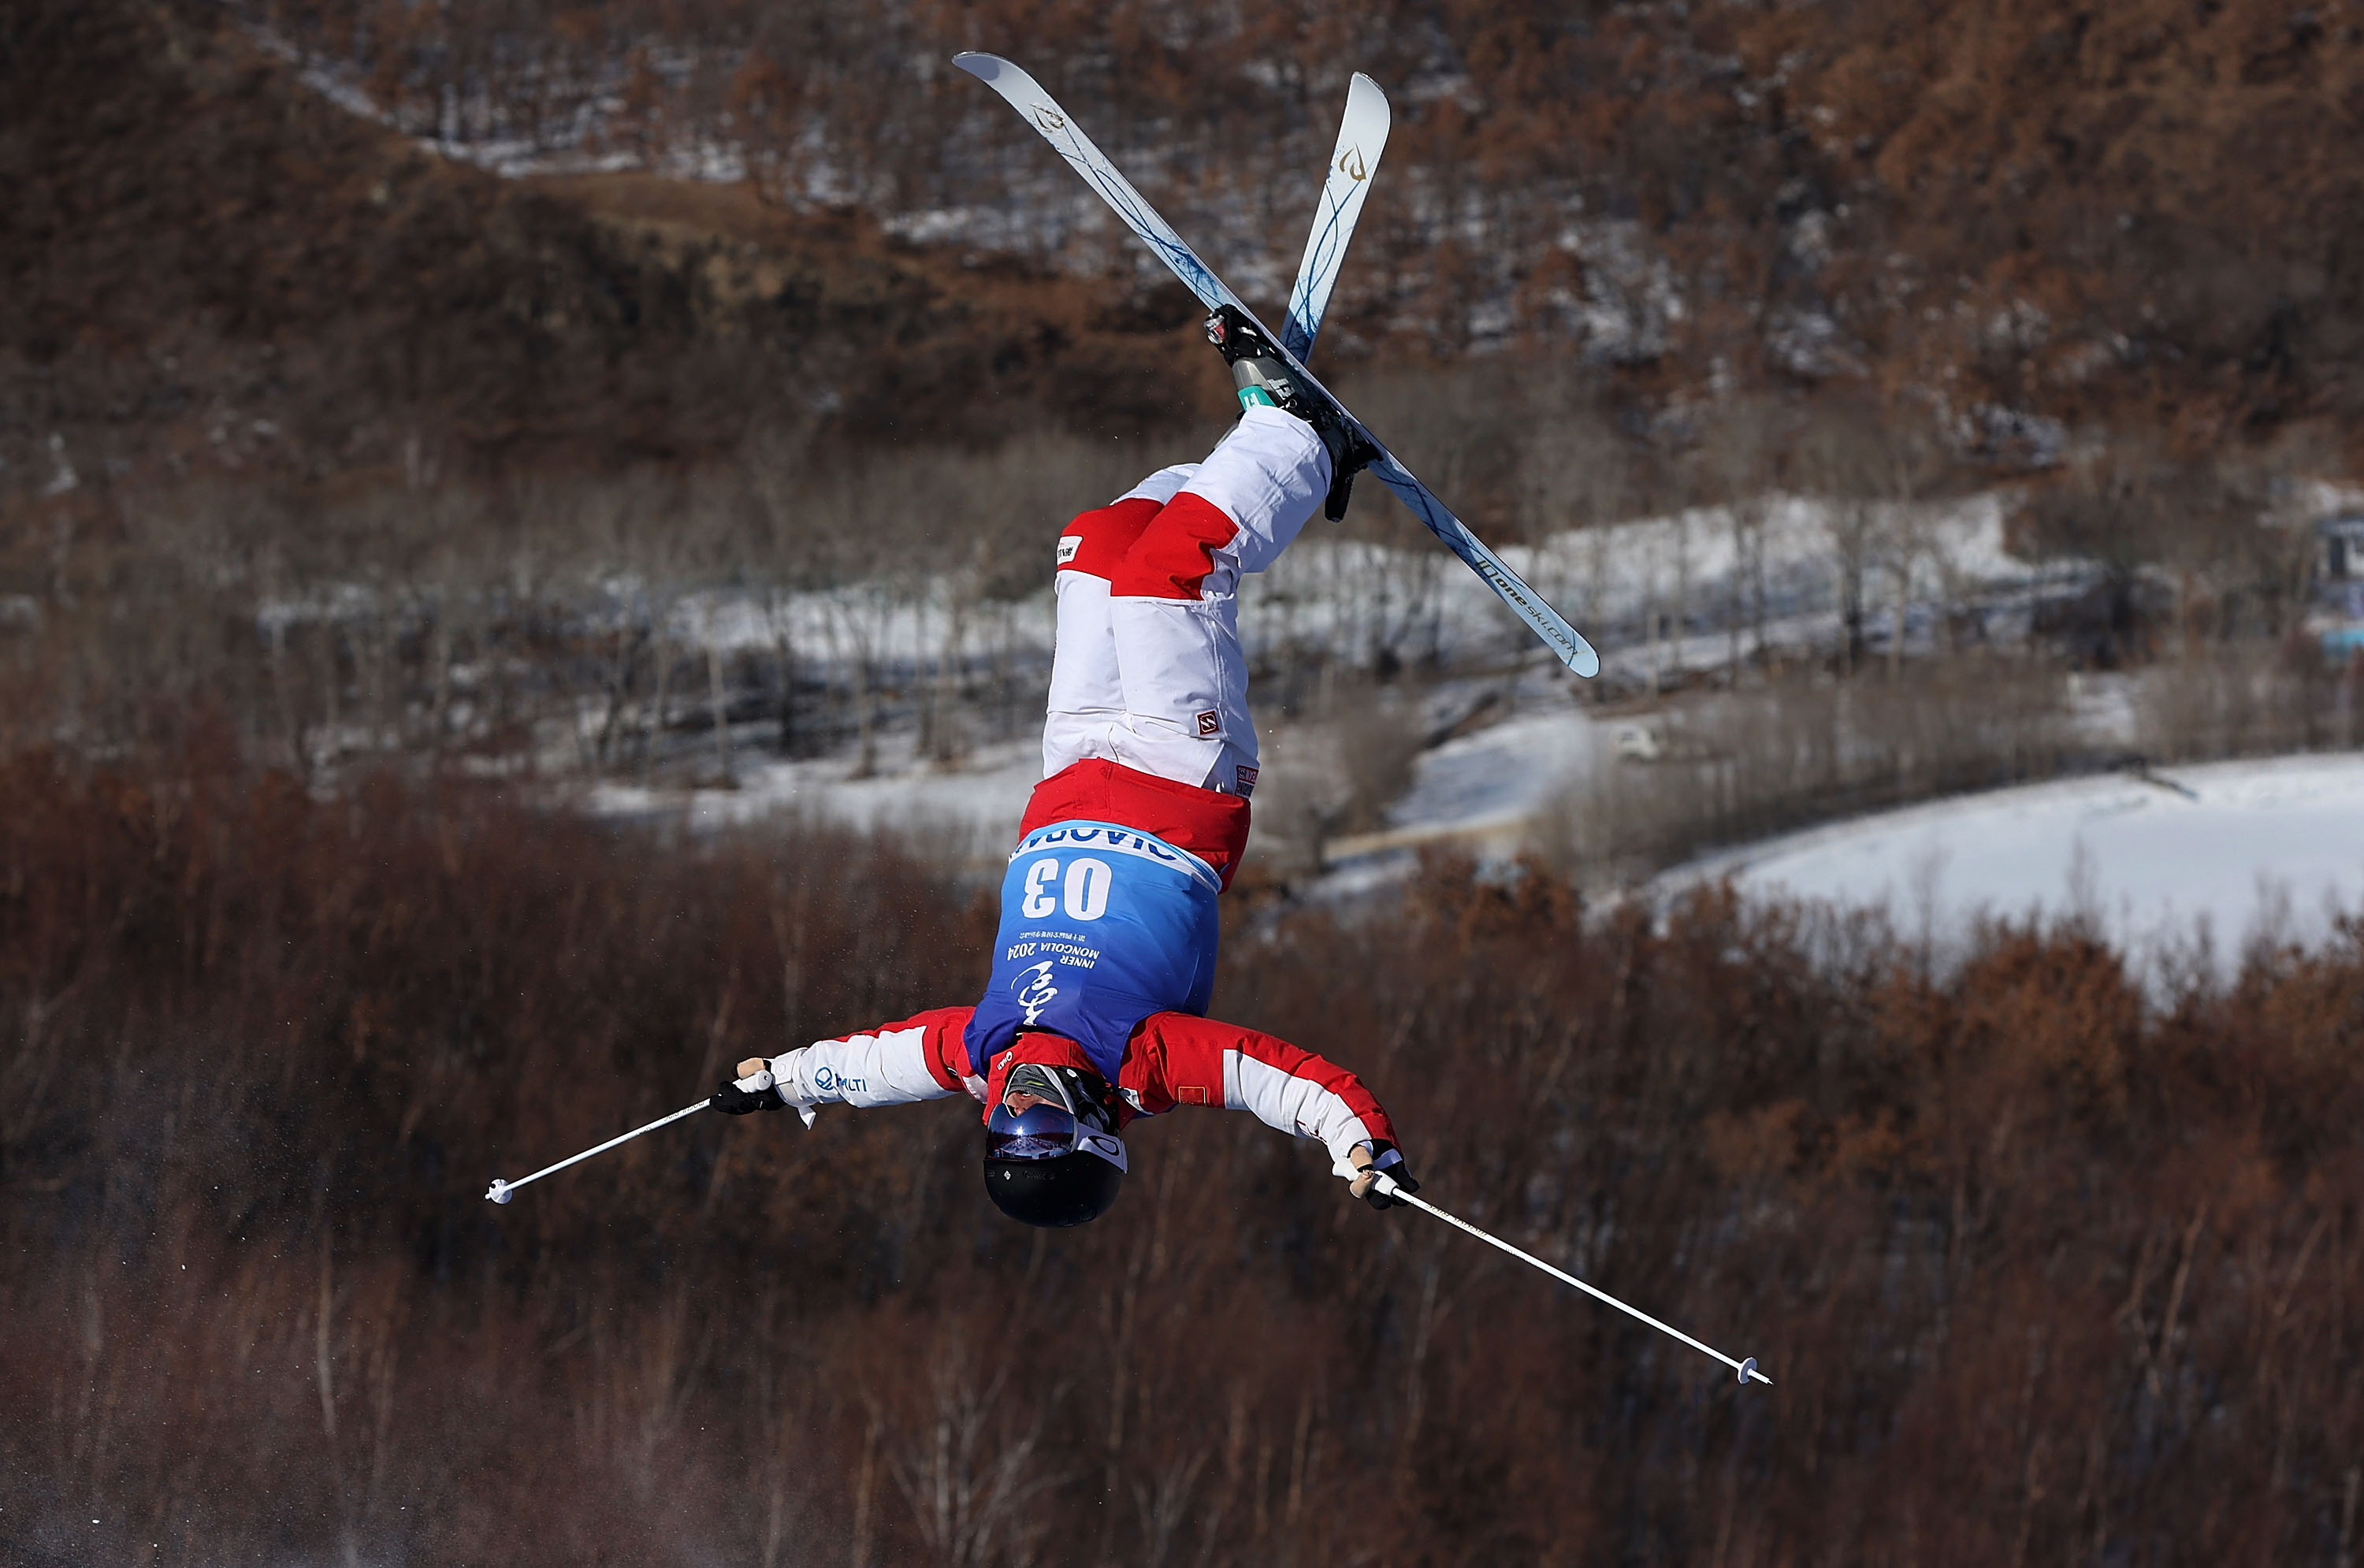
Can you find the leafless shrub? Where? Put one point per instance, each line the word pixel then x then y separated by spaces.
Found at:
pixel 1336 773
pixel 2242 699
pixel 1806 748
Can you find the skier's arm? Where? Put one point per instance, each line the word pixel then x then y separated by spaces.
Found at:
pixel 1193 1061
pixel 918 1058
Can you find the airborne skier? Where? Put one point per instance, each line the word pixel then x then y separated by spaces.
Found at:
pixel 1105 959
pixel 1150 757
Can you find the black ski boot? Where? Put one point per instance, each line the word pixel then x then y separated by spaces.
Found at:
pixel 1262 377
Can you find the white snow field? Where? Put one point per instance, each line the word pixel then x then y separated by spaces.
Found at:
pixel 2234 851
pixel 2228 851
pixel 964 815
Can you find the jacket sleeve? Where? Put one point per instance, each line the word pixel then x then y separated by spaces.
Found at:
pixel 1182 1060
pixel 918 1058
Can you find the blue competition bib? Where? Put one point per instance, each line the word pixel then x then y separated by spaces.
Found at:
pixel 1100 927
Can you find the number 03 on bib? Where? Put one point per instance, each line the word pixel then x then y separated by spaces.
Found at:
pixel 1101 926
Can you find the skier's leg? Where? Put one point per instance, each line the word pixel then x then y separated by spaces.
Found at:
pixel 1174 607
pixel 1087 698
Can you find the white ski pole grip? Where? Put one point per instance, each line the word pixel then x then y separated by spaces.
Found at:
pixel 1388 1186
pixel 762 1079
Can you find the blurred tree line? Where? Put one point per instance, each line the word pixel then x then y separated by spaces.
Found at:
pixel 670 623
pixel 2046 1268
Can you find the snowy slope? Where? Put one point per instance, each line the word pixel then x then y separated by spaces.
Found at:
pixel 1502 774
pixel 2265 847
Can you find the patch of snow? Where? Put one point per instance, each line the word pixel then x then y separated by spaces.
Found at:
pixel 1628 304
pixel 2103 710
pixel 2326 498
pixel 970 813
pixel 1809 343
pixel 63 477
pixel 1504 774
pixel 2012 435
pixel 331 603
pixel 2238 851
pixel 2022 325
pixel 1810 240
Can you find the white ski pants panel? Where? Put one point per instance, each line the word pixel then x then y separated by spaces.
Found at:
pixel 1083 684
pixel 1147 671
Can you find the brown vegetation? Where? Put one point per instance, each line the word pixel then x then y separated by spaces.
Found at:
pixel 2046 1274
pixel 2145 214
pixel 2143 221
pixel 329 443
pixel 207 267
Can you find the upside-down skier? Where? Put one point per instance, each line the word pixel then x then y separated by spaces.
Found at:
pixel 1105 959
pixel 1096 1010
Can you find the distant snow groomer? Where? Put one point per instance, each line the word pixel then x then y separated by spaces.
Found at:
pixel 1105 959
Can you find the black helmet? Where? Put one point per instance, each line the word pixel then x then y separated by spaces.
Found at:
pixel 1055 1159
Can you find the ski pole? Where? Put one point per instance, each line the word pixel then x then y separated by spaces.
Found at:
pixel 1388 1186
pixel 501 1191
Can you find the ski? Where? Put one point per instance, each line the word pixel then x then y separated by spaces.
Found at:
pixel 1039 109
pixel 1362 136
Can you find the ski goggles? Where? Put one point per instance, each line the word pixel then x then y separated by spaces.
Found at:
pixel 1057 1121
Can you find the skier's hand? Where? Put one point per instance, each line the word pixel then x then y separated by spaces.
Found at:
pixel 1365 1157
pixel 732 1099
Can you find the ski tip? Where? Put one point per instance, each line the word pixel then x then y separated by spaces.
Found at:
pixel 1569 645
pixel 983 67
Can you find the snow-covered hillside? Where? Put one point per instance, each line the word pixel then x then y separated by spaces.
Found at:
pixel 2234 851
pixel 1659 595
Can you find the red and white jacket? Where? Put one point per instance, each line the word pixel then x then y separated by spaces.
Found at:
pixel 1173 1058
